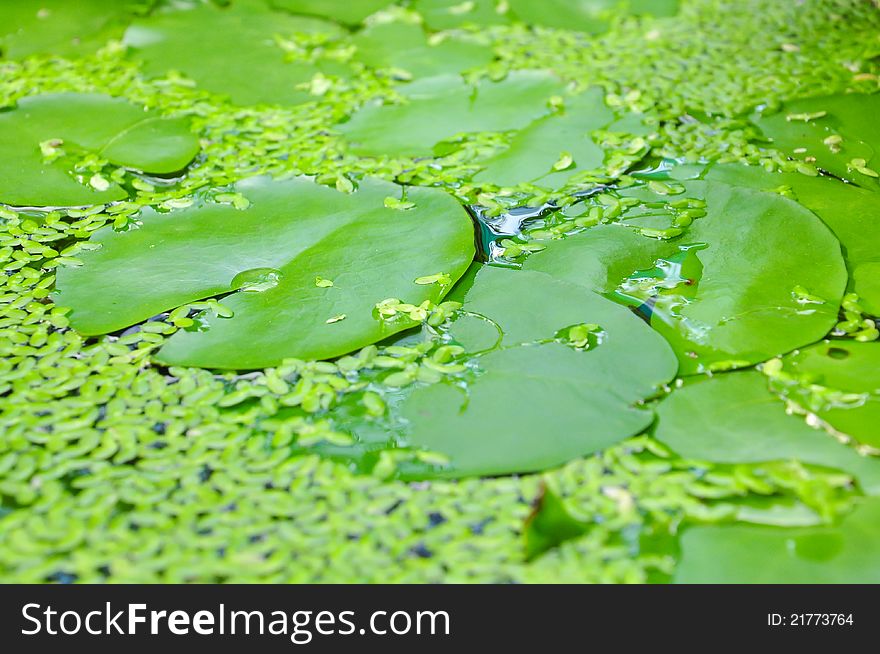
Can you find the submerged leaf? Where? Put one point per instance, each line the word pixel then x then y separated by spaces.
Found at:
pixel 843 554
pixel 440 107
pixel 293 233
pixel 67 126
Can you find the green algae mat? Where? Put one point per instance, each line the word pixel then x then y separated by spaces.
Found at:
pixel 440 291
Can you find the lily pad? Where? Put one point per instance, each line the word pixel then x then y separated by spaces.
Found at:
pixel 448 14
pixel 230 50
pixel 270 256
pixel 735 418
pixel 61 27
pixel 591 16
pixel 839 381
pixel 552 149
pixel 733 289
pixel 852 213
pixel 839 132
pixel 550 524
pixel 349 12
pixel 437 108
pixel 406 47
pixel 845 554
pixel 42 138
pixel 537 402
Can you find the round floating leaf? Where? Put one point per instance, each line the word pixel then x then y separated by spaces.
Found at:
pixel 292 233
pixel 349 12
pixel 845 554
pixel 42 138
pixel 440 107
pixel 230 50
pixel 840 382
pixel 735 288
pixel 539 404
pixel 405 47
pixel 448 14
pixel 839 132
pixel 734 418
pixel 852 213
pixel 61 27
pixel 536 150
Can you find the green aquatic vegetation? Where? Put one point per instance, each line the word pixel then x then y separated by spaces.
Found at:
pixel 434 109
pixel 836 133
pixel 773 555
pixel 405 48
pixel 114 468
pixel 60 27
pixel 232 50
pixel 350 12
pixel 270 263
pixel 534 379
pixel 716 287
pixel 550 523
pixel 591 16
pixel 837 382
pixel 45 138
pixel 736 418
pixel 553 148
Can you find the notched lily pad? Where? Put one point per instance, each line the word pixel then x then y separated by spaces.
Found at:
pixel 846 553
pixel 541 399
pixel 438 108
pixel 43 137
pixel 231 50
pixel 292 233
pixel 731 289
pixel 837 133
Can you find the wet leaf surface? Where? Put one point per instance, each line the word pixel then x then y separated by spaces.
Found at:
pixel 269 256
pixel 42 139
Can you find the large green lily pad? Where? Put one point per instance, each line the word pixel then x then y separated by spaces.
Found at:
pixel 448 14
pixel 348 12
pixel 852 213
pixel 272 253
pixel 734 289
pixel 537 402
pixel 839 132
pixel 553 148
pixel 405 46
pixel 845 554
pixel 43 137
pixel 735 418
pixel 230 50
pixel 61 27
pixel 438 108
pixel 840 382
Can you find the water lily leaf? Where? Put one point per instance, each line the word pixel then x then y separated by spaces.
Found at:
pixel 536 149
pixel 230 50
pixel 350 12
pixel 61 27
pixel 292 233
pixel 846 553
pixel 721 292
pixel 405 47
pixel 591 16
pixel 538 402
pixel 440 107
pixel 838 133
pixel 550 524
pixel 735 418
pixel 839 381
pixel 852 213
pixel 43 137
pixel 448 14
